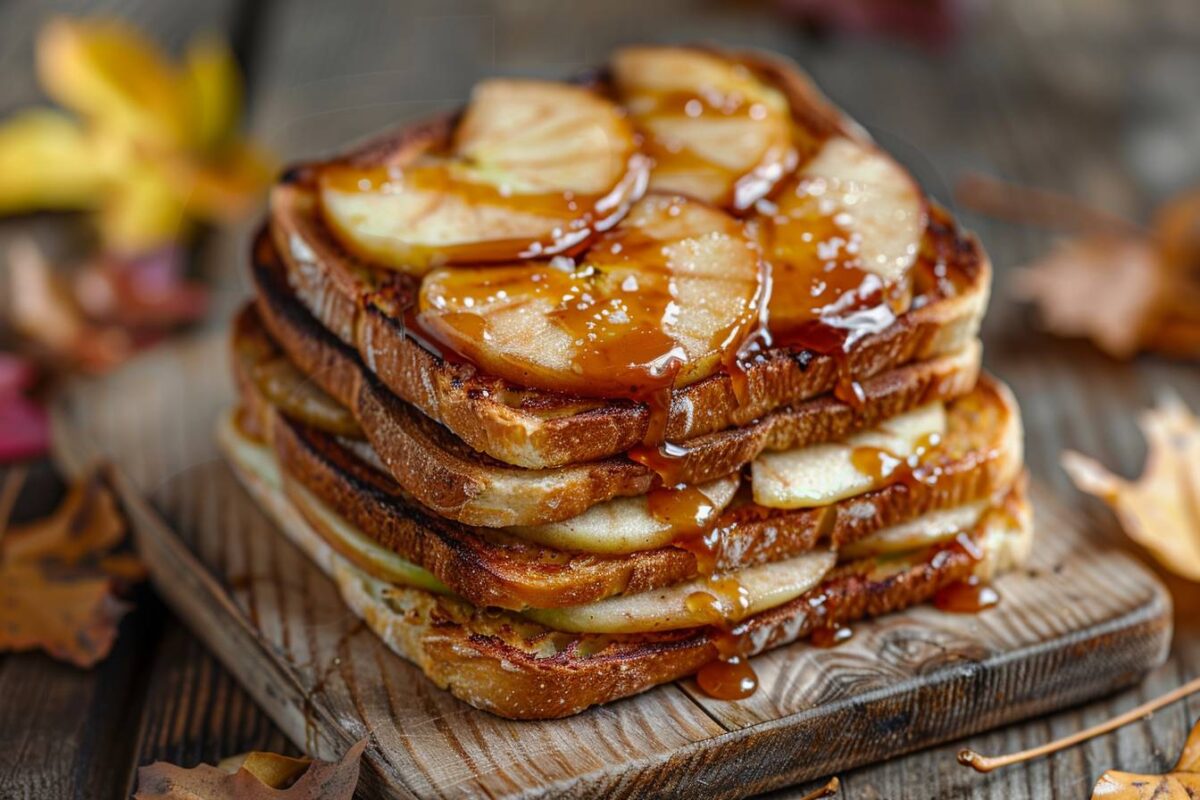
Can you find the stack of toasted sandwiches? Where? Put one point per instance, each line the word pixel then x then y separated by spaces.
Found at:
pixel 597 385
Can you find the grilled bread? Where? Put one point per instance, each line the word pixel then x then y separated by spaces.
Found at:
pixel 516 668
pixel 384 312
pixel 457 482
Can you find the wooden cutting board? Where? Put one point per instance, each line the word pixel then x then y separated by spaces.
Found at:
pixel 1081 621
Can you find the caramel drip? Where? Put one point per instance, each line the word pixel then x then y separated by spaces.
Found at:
pixel 966 597
pixel 729 676
pixel 668 460
pixel 831 636
pixel 685 509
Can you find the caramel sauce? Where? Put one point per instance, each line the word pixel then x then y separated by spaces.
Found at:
pixel 966 597
pixel 739 186
pixel 618 307
pixel 668 460
pixel 883 466
pixel 684 509
pixel 723 601
pixel 821 297
pixel 831 636
pixel 572 219
pixel 728 677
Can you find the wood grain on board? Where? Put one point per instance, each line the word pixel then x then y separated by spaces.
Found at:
pixel 1079 622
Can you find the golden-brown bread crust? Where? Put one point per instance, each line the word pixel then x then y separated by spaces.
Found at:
pixel 366 309
pixel 461 484
pixel 509 666
pixel 499 569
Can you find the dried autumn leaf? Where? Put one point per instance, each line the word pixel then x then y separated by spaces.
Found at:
pixel 322 780
pixel 1160 510
pixel 57 577
pixel 155 146
pixel 1102 287
pixel 1181 783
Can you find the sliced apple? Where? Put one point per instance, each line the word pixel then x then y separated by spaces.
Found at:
pixel 821 474
pixel 624 525
pixel 715 131
pixel 842 238
pixel 535 168
pixel 334 532
pixel 925 530
pixel 358 548
pixel 757 588
pixel 656 302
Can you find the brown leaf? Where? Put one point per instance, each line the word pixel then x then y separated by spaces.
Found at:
pixel 1181 783
pixel 1160 510
pixel 1126 289
pixel 1102 287
pixel 57 577
pixel 322 780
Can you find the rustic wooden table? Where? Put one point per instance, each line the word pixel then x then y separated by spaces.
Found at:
pixel 1103 107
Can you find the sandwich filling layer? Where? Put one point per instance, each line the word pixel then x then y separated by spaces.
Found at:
pixel 723 599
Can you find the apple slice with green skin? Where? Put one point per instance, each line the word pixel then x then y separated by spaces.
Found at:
pixel 715 131
pixel 657 302
pixel 624 525
pixel 757 589
pixel 820 474
pixel 535 168
pixel 842 237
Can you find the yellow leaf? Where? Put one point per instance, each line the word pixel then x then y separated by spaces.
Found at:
pixel 225 191
pixel 319 779
pixel 1160 510
pixel 215 92
pixel 144 211
pixel 47 162
pixel 116 78
pixel 271 769
pixel 1182 783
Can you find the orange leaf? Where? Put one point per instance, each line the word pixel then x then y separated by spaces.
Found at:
pixel 1160 510
pixel 57 577
pixel 1181 783
pixel 322 780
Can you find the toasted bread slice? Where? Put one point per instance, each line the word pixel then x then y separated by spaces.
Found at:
pixel 372 309
pixel 515 668
pixel 980 456
pixel 366 309
pixel 459 483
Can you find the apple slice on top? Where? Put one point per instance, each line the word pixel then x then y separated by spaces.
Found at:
pixel 658 301
pixel 842 237
pixel 534 168
pixel 715 131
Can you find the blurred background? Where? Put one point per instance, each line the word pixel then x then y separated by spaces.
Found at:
pixel 1034 120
